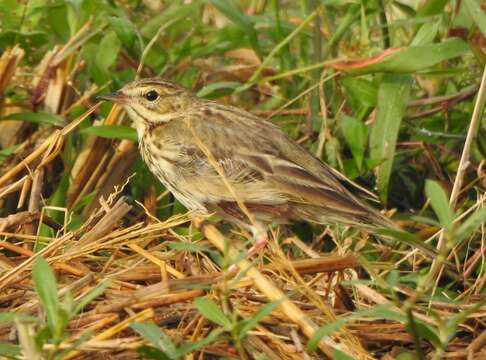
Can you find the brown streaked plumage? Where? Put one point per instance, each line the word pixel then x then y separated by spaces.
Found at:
pixel 274 177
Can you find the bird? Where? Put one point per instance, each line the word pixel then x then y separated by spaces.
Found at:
pixel 217 158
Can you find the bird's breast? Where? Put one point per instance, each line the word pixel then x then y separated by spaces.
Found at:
pixel 167 163
pixel 160 159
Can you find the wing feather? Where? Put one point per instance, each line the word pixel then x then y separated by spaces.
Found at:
pixel 265 166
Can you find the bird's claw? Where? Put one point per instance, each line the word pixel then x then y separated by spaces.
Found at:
pixel 260 243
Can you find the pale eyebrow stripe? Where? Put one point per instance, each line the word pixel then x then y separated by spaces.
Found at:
pixel 163 83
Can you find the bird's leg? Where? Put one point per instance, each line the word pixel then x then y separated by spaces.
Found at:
pixel 261 240
pixel 260 236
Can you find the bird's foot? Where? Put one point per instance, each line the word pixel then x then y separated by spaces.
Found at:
pixel 261 241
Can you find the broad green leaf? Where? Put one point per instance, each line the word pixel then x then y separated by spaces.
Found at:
pixel 393 278
pixel 57 20
pixel 124 28
pixel 46 288
pixel 426 34
pixel 332 151
pixel 155 336
pixel 424 331
pixel 107 51
pixel 365 31
pixel 408 59
pixel 471 223
pixel 440 203
pixel 474 9
pixel 231 11
pixel 356 135
pixel 211 311
pixel 393 96
pixel 112 132
pixel 406 9
pixel 254 319
pixel 37 118
pixel 432 7
pixel 362 90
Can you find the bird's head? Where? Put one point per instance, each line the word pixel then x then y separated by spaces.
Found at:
pixel 151 101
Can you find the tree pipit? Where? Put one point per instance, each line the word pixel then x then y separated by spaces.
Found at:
pixel 218 158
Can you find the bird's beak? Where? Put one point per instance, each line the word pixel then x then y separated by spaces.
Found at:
pixel 116 97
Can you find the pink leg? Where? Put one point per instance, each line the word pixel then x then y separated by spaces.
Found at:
pixel 260 243
pixel 261 239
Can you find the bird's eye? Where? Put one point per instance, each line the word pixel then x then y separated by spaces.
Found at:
pixel 152 95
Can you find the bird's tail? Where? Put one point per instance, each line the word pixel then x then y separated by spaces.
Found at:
pixel 367 219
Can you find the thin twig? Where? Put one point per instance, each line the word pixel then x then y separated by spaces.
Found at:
pixel 152 42
pixel 447 102
pixel 437 265
pixel 324 124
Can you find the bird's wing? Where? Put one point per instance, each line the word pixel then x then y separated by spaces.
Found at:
pixel 242 143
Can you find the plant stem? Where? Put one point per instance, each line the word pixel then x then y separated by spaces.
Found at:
pixel 416 338
pixel 384 24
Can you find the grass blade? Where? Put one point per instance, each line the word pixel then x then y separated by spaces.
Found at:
pixel 393 96
pixel 157 337
pixel 46 288
pixel 40 117
pixel 406 60
pixel 356 135
pixel 257 317
pixel 93 294
pixel 211 311
pixel 474 9
pixel 112 132
pixel 195 345
pixel 440 204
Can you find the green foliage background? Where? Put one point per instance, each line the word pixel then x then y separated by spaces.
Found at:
pixel 395 117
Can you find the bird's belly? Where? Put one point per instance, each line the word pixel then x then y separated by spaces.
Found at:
pixel 164 167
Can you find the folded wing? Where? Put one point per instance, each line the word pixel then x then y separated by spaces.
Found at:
pixel 265 168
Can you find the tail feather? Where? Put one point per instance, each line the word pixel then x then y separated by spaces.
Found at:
pixel 369 220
